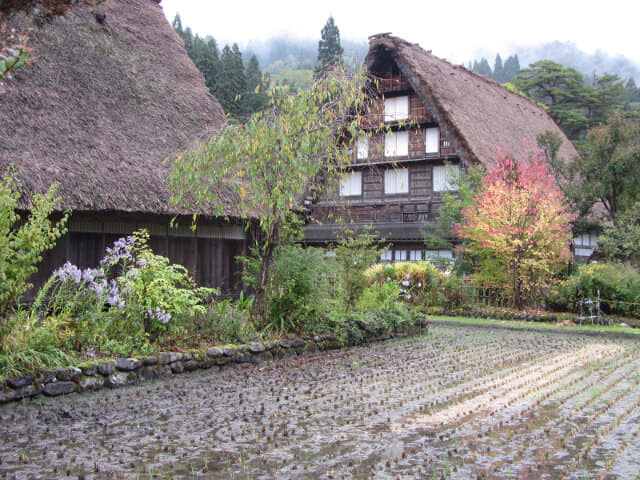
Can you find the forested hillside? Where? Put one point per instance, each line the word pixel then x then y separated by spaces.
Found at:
pixel 565 53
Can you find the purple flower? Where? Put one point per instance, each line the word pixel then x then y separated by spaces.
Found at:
pixel 133 272
pixel 160 315
pixel 142 262
pixel 121 250
pixel 69 271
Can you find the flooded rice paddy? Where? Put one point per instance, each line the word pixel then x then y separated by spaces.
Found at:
pixel 456 403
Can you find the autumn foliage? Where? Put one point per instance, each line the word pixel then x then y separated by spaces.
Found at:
pixel 518 226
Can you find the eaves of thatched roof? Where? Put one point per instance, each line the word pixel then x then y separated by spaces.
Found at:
pixel 110 93
pixel 479 115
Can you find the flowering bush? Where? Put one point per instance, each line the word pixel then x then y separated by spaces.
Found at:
pixel 133 294
pixel 420 283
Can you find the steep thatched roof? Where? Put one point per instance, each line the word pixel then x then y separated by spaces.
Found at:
pixel 109 95
pixel 478 114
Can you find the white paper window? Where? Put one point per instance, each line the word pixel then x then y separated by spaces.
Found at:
pixel 396 144
pixel 584 252
pixel 433 254
pixel 386 256
pixel 396 181
pixel 444 177
pixel 396 108
pixel 362 149
pixel 433 140
pixel 586 240
pixel 351 184
pixel 415 255
pixel 401 255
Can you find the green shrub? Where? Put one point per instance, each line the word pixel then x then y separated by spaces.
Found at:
pixel 28 344
pixel 421 284
pixel 23 240
pixel 226 322
pixel 355 253
pixel 619 286
pixel 301 291
pixel 379 296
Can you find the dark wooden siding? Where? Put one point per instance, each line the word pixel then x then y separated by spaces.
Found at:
pixel 373 183
pixel 210 261
pixel 420 180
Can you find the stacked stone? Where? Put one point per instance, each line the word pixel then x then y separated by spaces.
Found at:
pixel 122 372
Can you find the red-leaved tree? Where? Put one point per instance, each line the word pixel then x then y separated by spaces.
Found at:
pixel 519 221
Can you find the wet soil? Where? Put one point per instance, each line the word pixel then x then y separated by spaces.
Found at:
pixel 456 403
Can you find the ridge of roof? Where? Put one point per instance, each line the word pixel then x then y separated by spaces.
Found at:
pixel 483 115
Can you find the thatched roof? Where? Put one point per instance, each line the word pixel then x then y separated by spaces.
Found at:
pixel 478 114
pixel 102 105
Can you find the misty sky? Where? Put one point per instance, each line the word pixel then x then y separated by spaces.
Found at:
pixel 454 29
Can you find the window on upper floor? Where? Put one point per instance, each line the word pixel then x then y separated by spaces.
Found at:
pixel 444 177
pixel 362 147
pixel 396 144
pixel 351 184
pixel 396 180
pixel 432 140
pixel 396 108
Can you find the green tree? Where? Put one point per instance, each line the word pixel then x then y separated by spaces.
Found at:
pixel 187 38
pixel 609 168
pixel 561 89
pixel 329 49
pixel 255 98
pixel 575 106
pixel 177 25
pixel 631 96
pixel 621 239
pixel 498 70
pixel 232 82
pixel 605 95
pixel 23 239
pixel 482 67
pixel 269 161
pixel 511 68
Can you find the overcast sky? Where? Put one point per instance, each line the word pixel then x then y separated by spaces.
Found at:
pixel 453 29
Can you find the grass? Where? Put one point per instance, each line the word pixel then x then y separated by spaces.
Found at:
pixel 539 325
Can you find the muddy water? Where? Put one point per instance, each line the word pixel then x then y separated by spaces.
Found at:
pixel 451 404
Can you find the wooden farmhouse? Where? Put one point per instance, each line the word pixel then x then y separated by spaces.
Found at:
pixel 110 93
pixel 426 119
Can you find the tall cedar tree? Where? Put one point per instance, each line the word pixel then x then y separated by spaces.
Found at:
pixel 269 162
pixel 482 67
pixel 225 75
pixel 498 69
pixel 329 49
pixel 519 221
pixel 511 68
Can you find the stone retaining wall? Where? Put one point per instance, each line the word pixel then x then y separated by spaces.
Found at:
pixel 120 372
